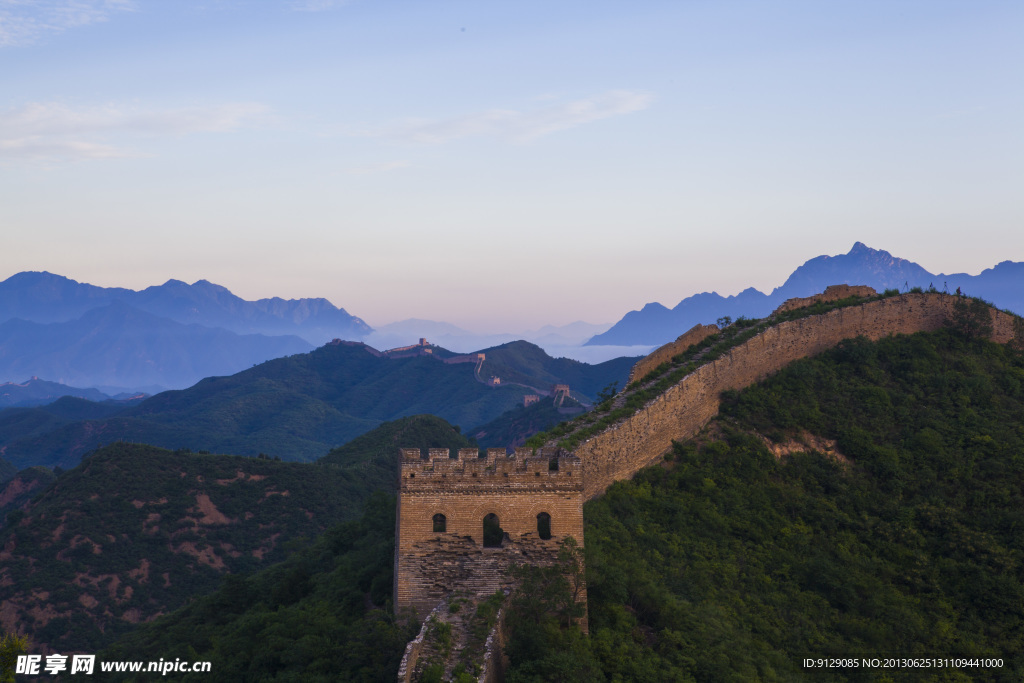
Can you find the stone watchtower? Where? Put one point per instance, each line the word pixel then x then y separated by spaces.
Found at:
pixel 462 521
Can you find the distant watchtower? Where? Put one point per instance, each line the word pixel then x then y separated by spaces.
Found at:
pixel 462 521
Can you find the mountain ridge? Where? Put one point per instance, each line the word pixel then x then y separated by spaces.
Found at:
pixel 35 391
pixel 830 550
pixel 41 296
pixel 656 324
pixel 301 406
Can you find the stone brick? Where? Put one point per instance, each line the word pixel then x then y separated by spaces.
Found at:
pixel 429 565
pixel 679 413
pixel 664 354
pixel 831 293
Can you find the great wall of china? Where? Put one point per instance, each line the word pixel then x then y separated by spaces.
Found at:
pixel 683 410
pixel 431 563
pixel 441 507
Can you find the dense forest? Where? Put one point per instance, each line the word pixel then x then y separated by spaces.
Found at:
pixel 729 563
pixel 137 531
pixel 322 615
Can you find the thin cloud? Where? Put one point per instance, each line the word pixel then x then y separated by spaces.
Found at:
pixel 25 22
pixel 520 126
pixel 382 167
pixel 30 148
pixel 40 130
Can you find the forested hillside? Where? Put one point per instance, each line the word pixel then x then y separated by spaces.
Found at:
pixel 727 562
pixel 731 563
pixel 136 531
pixel 323 615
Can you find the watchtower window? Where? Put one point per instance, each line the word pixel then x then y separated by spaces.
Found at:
pixel 440 522
pixel 493 533
pixel 544 525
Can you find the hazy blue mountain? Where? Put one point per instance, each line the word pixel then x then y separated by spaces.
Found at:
pixel 655 324
pixel 37 392
pixel 45 298
pixel 1002 285
pixel 316 320
pixel 862 265
pixel 123 346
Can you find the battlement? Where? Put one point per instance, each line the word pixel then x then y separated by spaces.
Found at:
pixel 831 293
pixel 465 471
pixel 444 501
pixel 451 505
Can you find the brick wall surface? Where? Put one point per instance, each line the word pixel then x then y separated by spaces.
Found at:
pixel 685 408
pixel 465 489
pixel 663 354
pixel 429 565
pixel 831 293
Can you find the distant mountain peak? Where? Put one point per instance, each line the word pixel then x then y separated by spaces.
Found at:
pixel 43 297
pixel 865 252
pixel 206 285
pixel 37 275
pixel 862 265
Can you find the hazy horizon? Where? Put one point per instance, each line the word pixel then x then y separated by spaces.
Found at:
pixel 429 324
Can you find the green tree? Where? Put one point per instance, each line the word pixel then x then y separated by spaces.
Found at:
pixel 11 645
pixel 608 392
pixel 544 611
pixel 1017 343
pixel 972 318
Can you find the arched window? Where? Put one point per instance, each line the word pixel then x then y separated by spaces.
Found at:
pixel 440 522
pixel 544 525
pixel 493 533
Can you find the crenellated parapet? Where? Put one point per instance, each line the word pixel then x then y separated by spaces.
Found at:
pixel 448 498
pixel 444 501
pixel 464 471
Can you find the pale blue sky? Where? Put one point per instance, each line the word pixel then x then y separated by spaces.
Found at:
pixel 504 165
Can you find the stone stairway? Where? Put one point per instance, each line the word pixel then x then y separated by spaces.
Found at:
pixel 455 642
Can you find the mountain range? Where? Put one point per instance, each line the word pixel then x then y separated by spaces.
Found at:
pixel 48 298
pixel 745 535
pixel 35 392
pixel 656 324
pixel 299 407
pixel 168 336
pixel 173 335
